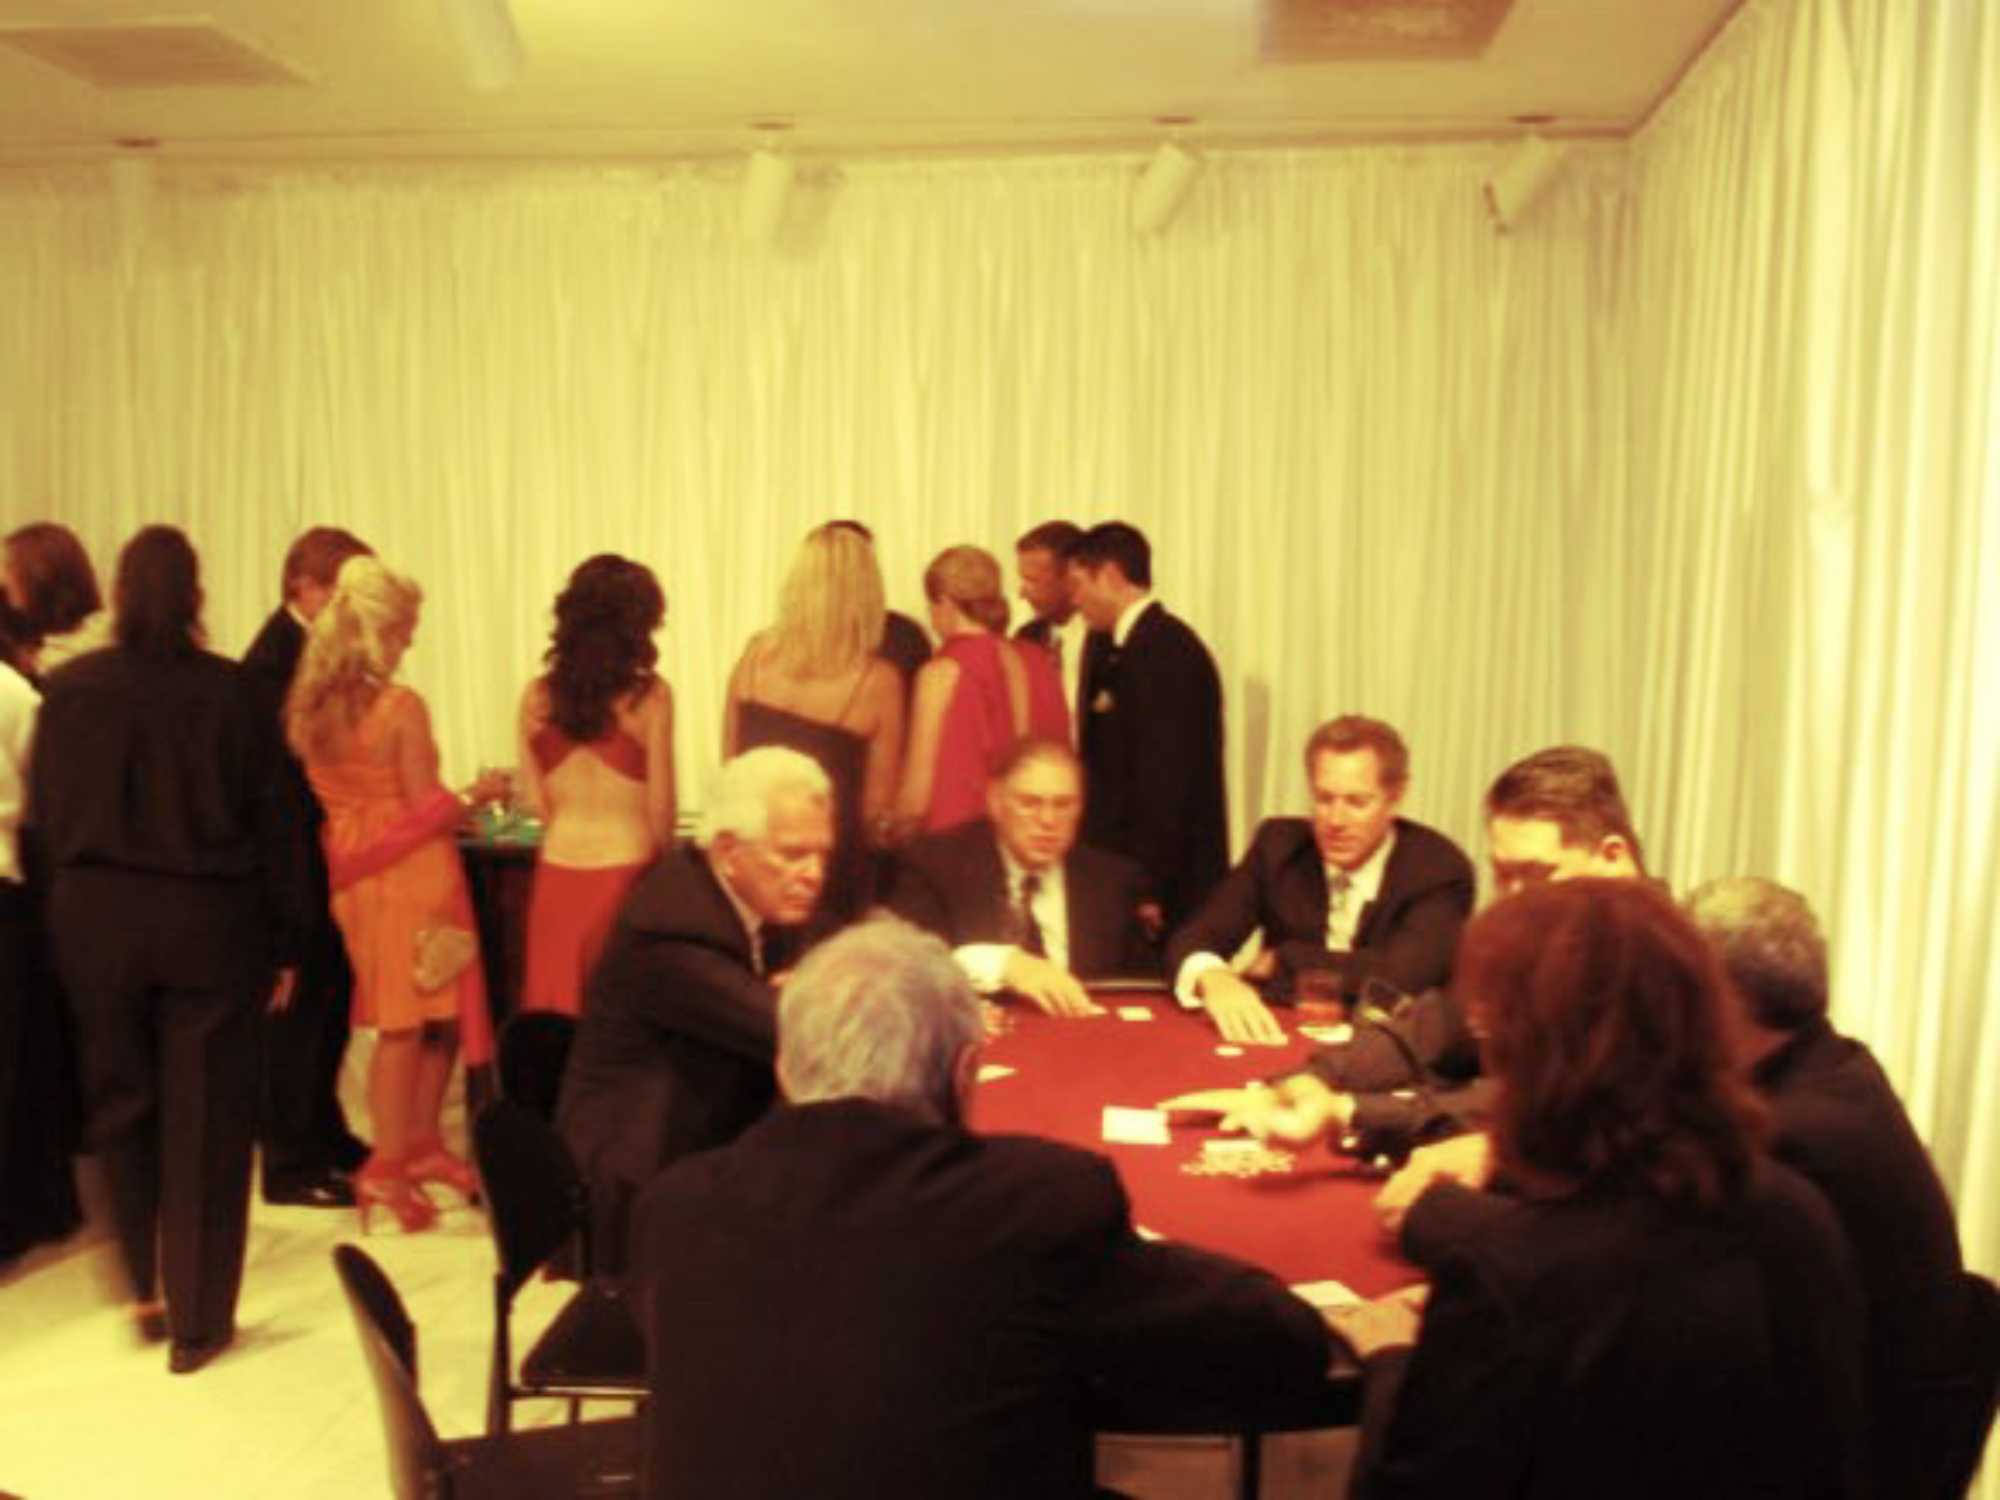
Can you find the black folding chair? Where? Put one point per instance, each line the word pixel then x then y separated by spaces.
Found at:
pixel 596 1459
pixel 538 1207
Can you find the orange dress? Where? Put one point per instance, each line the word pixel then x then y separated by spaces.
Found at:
pixel 380 915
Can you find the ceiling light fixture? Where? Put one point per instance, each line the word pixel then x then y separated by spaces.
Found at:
pixel 1522 181
pixel 1168 179
pixel 489 46
pixel 767 187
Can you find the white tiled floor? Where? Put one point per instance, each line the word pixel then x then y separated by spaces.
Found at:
pixel 287 1413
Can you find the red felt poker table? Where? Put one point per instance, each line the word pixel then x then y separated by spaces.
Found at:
pixel 1306 1221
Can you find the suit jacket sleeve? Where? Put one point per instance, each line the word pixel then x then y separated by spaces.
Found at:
pixel 1423 905
pixel 1165 1325
pixel 1237 907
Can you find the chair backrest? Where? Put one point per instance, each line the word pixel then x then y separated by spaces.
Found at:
pixel 418 1463
pixel 532 1053
pixel 535 1196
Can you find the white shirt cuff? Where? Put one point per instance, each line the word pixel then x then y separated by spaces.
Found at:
pixel 985 965
pixel 1192 968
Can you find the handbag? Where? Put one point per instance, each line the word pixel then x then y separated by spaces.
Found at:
pixel 443 953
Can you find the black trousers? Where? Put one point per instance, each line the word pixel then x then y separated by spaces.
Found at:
pixel 38 1111
pixel 305 1133
pixel 167 979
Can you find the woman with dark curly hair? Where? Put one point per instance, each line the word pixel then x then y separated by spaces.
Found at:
pixel 597 764
pixel 1640 1303
pixel 47 577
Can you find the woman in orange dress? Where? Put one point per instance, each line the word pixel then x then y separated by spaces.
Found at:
pixel 399 890
pixel 597 765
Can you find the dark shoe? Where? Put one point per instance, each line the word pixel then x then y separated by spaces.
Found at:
pixel 349 1153
pixel 323 1190
pixel 188 1355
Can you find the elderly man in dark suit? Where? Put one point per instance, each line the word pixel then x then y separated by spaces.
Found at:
pixel 1933 1331
pixel 861 1297
pixel 1152 727
pixel 674 1050
pixel 1373 899
pixel 1023 906
pixel 308 1149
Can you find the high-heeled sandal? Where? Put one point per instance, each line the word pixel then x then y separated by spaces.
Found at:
pixel 387 1184
pixel 431 1163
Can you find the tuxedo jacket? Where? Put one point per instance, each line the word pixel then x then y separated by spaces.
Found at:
pixel 854 1301
pixel 1152 747
pixel 1606 1343
pixel 1407 935
pixel 268 668
pixel 954 883
pixel 675 1047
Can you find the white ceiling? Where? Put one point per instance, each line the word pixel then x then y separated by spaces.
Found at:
pixel 623 79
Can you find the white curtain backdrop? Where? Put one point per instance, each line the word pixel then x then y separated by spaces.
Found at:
pixel 1699 465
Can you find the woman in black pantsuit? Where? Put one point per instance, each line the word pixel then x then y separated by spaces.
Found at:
pixel 155 786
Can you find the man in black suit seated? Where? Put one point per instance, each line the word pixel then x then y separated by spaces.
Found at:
pixel 1932 1336
pixel 308 1149
pixel 862 1297
pixel 1152 727
pixel 1023 906
pixel 1041 557
pixel 1355 891
pixel 1411 1073
pixel 673 1053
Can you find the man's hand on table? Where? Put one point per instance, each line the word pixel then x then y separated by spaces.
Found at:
pixel 1048 988
pixel 1294 1111
pixel 1387 1322
pixel 1237 1011
pixel 1464 1158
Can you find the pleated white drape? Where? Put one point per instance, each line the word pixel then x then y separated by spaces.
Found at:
pixel 1699 465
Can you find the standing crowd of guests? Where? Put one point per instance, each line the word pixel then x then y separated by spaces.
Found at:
pixel 1679 1235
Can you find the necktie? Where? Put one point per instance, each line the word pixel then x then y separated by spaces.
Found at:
pixel 1336 907
pixel 1031 930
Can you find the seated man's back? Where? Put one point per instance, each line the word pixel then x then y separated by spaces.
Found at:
pixel 860 1297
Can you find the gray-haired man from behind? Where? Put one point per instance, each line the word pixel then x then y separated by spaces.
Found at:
pixel 862 1296
pixel 1933 1346
pixel 679 1028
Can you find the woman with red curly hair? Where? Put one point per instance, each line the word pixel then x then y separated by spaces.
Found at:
pixel 1640 1303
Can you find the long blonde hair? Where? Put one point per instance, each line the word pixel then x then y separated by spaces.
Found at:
pixel 830 610
pixel 347 661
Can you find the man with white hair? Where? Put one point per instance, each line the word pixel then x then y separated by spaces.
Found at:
pixel 673 1053
pixel 862 1297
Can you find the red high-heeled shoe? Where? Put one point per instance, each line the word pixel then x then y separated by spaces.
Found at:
pixel 431 1163
pixel 387 1184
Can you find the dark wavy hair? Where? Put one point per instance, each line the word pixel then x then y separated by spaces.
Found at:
pixel 157 594
pixel 602 648
pixel 1607 1027
pixel 53 573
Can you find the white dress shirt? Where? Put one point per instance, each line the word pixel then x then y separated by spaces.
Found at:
pixel 985 964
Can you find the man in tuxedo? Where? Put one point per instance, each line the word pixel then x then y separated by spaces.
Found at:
pixel 1041 557
pixel 1933 1332
pixel 1373 900
pixel 673 1053
pixel 1024 908
pixel 1152 727
pixel 862 1296
pixel 308 1149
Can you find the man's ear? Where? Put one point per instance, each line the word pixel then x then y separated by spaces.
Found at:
pixel 1615 851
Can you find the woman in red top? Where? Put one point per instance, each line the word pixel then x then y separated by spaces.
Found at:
pixel 597 764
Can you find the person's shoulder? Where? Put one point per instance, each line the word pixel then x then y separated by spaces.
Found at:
pixel 952 845
pixel 1104 865
pixel 1282 838
pixel 1420 842
pixel 1058 1188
